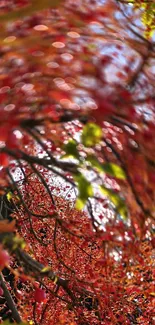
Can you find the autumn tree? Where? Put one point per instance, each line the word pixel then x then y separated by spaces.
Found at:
pixel 77 136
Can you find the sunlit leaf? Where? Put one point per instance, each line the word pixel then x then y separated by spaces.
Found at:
pixel 46 269
pixel 80 204
pixel 71 149
pixel 95 163
pixel 18 242
pixel 85 190
pixel 115 199
pixel 108 168
pixel 147 14
pixel 9 196
pixel 114 170
pixel 91 135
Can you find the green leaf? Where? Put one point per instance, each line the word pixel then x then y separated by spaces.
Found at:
pixel 95 163
pixel 79 205
pixel 91 135
pixel 118 202
pixel 71 149
pixel 114 170
pixel 85 190
pixel 108 168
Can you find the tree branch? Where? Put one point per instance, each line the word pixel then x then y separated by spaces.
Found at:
pixel 10 301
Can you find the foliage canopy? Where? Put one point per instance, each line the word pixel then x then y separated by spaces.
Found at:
pixel 77 162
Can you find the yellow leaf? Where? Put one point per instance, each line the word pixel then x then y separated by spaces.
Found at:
pixel 9 196
pixel 46 269
pixel 55 279
pixel 79 205
pixel 31 322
